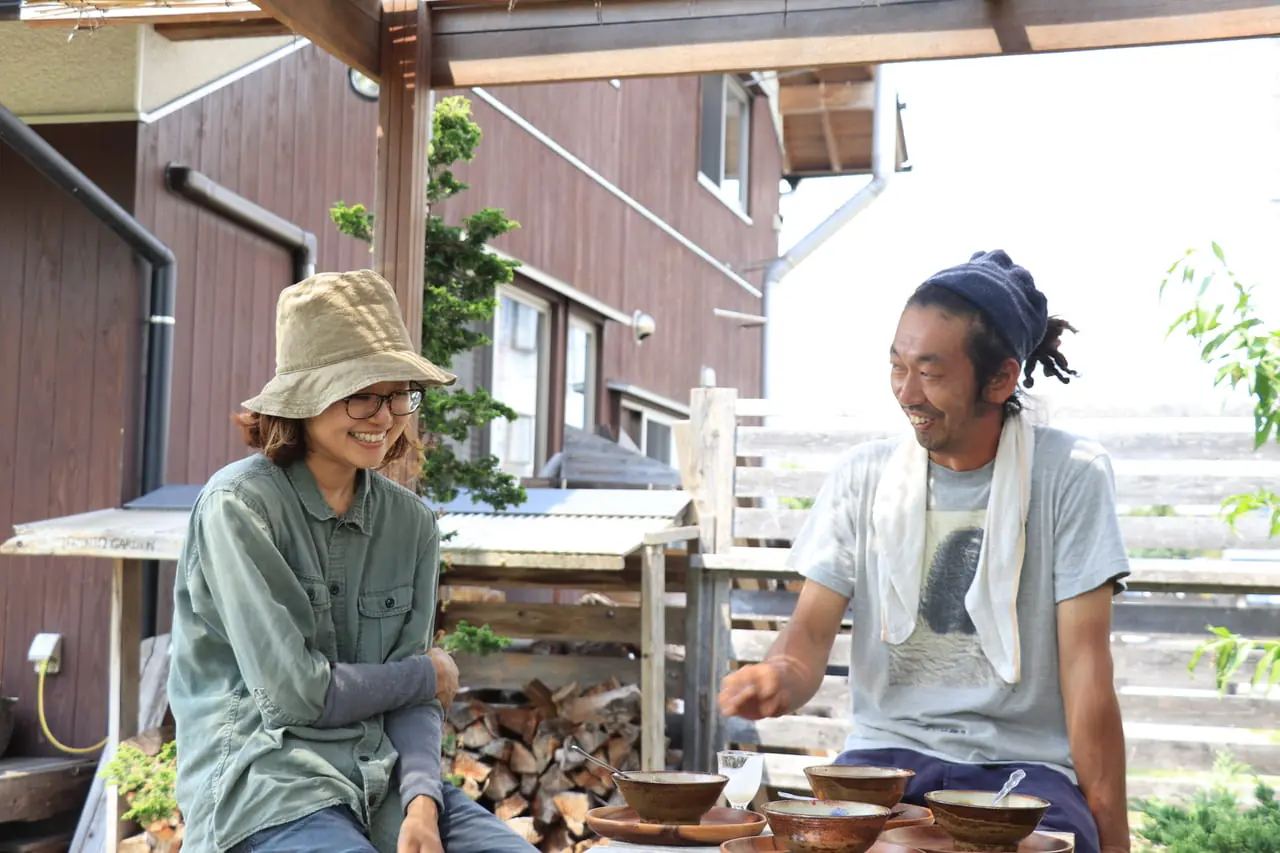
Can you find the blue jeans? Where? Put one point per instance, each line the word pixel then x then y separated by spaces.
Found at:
pixel 465 827
pixel 1068 812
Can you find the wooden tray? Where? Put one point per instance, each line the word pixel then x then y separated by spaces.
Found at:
pixel 771 844
pixel 721 824
pixel 935 839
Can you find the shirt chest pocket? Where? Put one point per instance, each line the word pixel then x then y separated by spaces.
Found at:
pixel 382 616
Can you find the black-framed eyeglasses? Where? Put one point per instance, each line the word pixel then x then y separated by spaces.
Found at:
pixel 361 407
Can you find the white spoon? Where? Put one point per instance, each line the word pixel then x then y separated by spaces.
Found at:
pixel 1014 778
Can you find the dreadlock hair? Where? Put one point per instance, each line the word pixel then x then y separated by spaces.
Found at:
pixel 988 351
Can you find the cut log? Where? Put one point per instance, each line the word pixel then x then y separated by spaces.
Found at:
pixel 513 806
pixel 610 683
pixel 462 714
pixel 612 707
pixel 553 782
pixel 523 761
pixel 629 732
pixel 544 750
pixel 471 788
pixel 528 784
pixel 525 828
pixel 567 693
pixel 573 807
pixel 589 736
pixel 616 751
pixel 520 722
pixel 539 696
pixel 586 844
pixel 557 840
pixel 587 780
pixel 469 766
pixel 476 736
pixel 502 783
pixel 499 750
pixel 544 809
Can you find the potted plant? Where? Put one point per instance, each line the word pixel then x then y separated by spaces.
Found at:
pixel 146 782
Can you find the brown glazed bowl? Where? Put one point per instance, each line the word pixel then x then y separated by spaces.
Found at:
pixel 881 786
pixel 975 824
pixel 670 796
pixel 825 826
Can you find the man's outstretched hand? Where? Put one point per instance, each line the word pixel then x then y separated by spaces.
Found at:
pixel 754 692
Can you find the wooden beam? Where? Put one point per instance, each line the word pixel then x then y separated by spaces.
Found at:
pixel 490 44
pixel 823 97
pixel 199 31
pixel 400 189
pixel 833 146
pixel 346 29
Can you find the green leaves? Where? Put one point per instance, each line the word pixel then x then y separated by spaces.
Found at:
pixel 146 782
pixel 468 639
pixel 1213 820
pixel 1244 353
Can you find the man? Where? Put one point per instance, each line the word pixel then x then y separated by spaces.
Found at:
pixel 981 559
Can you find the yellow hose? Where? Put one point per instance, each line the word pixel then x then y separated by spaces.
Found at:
pixel 44 724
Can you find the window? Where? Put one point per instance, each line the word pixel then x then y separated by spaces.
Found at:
pixel 520 351
pixel 580 375
pixel 724 139
pixel 651 432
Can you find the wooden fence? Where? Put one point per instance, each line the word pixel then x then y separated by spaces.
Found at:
pixel 749 483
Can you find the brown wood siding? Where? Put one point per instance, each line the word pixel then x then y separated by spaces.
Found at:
pixel 291 137
pixel 643 138
pixel 69 356
pixel 294 139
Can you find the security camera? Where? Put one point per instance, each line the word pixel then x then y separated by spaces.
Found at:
pixel 643 325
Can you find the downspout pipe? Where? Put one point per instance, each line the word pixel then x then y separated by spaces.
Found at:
pixel 202 190
pixel 158 358
pixel 884 157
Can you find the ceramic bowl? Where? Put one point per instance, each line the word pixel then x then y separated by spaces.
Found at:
pixel 825 826
pixel 670 796
pixel 881 786
pixel 975 824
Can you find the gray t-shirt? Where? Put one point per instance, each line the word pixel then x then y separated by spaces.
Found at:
pixel 937 693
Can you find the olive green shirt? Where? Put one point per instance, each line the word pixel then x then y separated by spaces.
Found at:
pixel 273 588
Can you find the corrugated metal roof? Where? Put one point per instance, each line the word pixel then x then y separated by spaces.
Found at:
pixel 548 534
pixel 605 522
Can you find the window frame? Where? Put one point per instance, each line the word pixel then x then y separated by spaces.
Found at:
pixel 720 87
pixel 648 414
pixel 594 330
pixel 547 310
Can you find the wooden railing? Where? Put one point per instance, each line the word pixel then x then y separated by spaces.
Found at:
pixel 749 484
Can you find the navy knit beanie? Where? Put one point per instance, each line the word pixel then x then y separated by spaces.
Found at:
pixel 1006 293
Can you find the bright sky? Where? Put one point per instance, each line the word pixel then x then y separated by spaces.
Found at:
pixel 1094 170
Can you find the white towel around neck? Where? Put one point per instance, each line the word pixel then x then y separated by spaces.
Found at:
pixel 898 522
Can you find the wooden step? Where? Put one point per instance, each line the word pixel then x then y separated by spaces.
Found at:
pixel 34 789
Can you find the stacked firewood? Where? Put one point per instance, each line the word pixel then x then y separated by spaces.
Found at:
pixel 517 759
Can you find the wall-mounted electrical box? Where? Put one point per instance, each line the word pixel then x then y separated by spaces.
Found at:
pixel 46 647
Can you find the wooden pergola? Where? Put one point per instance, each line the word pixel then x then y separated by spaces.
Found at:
pixel 410 46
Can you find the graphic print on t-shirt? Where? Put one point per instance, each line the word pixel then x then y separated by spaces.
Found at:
pixel 944 649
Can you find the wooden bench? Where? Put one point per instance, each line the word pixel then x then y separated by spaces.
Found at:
pixel 751 483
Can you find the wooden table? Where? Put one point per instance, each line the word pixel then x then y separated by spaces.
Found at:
pixel 624 847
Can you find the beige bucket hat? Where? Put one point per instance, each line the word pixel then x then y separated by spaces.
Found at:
pixel 335 334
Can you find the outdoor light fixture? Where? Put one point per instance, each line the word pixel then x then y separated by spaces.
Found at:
pixel 366 88
pixel 643 325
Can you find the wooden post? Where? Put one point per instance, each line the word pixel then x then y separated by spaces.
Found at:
pixel 708 477
pixel 400 192
pixel 123 676
pixel 653 658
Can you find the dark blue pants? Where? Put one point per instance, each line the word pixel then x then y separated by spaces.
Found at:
pixel 1068 812
pixel 465 827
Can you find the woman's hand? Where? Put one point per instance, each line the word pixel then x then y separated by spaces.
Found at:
pixel 420 829
pixel 446 676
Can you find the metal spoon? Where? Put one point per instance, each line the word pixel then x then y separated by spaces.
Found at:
pixel 1014 778
pixel 615 771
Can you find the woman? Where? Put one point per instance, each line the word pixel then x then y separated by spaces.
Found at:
pixel 307 703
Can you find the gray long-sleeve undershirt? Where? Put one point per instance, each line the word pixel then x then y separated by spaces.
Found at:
pixel 358 691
